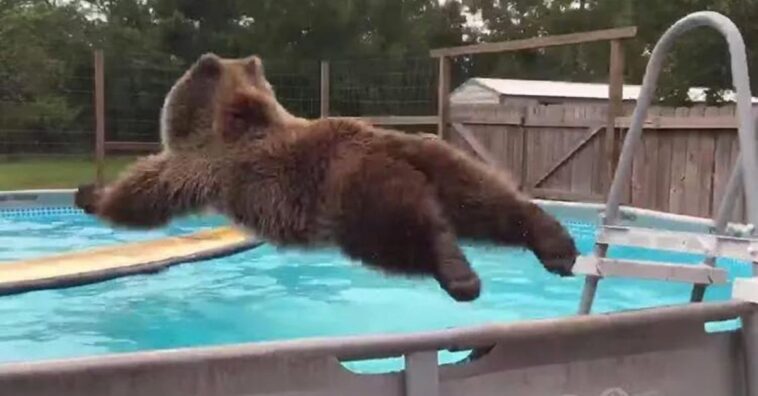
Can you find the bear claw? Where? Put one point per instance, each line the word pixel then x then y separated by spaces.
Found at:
pixel 561 266
pixel 464 290
pixel 85 197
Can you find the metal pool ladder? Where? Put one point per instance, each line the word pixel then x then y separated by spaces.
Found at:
pixel 720 242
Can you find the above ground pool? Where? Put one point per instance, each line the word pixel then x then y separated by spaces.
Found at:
pixel 268 294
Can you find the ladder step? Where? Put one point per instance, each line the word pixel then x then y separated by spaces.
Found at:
pixel 709 245
pixel 605 267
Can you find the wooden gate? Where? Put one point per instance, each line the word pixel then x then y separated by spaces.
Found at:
pixel 555 152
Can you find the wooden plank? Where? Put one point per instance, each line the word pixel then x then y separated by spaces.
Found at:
pixel 739 208
pixel 554 138
pixel 663 172
pixel 524 153
pixel 515 119
pixel 678 165
pixel 738 214
pixel 99 118
pixel 553 142
pixel 692 191
pixel 325 89
pixel 561 178
pixel 651 168
pixel 581 167
pixel 570 154
pixel 707 168
pixel 638 182
pixel 615 99
pixel 534 152
pixel 499 147
pixel 707 160
pixel 572 138
pixel 538 42
pixel 722 167
pixel 626 187
pixel 443 96
pixel 133 146
pixel 468 136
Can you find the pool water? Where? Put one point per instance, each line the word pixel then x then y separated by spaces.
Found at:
pixel 268 294
pixel 25 235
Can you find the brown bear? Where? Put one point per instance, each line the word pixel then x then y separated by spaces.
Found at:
pixel 394 201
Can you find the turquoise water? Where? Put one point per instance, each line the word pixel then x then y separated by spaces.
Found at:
pixel 24 236
pixel 266 294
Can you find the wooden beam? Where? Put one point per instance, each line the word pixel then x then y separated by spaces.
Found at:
pixel 471 140
pixel 99 117
pixel 133 146
pixel 593 132
pixel 523 134
pixel 725 123
pixel 528 121
pixel 325 89
pixel 615 109
pixel 538 42
pixel 443 96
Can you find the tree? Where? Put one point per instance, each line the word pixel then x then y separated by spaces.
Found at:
pixel 43 46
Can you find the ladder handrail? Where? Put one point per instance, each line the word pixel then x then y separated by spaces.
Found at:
pixel 743 175
pixel 746 131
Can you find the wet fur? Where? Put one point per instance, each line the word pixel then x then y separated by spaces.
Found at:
pixel 396 202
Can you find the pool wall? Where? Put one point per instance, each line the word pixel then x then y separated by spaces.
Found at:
pixel 661 351
pixel 31 199
pixel 634 352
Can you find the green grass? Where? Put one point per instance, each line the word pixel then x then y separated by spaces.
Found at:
pixel 54 172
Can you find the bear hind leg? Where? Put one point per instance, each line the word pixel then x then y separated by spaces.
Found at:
pixel 392 221
pixel 502 217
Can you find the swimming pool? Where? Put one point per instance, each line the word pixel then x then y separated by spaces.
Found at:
pixel 34 233
pixel 266 294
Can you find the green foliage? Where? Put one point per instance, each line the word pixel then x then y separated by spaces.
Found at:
pixel 378 48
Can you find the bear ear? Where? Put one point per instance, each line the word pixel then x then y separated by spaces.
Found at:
pixel 248 114
pixel 254 65
pixel 208 65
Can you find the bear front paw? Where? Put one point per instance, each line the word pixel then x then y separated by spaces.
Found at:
pixel 85 198
pixel 557 254
pixel 464 290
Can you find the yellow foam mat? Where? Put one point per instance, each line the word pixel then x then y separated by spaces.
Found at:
pixel 104 263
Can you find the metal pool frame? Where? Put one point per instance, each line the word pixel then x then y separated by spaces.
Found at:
pixel 646 352
pixel 650 352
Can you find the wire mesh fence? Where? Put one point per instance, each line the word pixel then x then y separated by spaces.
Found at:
pixel 384 86
pixel 46 115
pixel 59 117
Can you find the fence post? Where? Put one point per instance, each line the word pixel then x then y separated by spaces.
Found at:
pixel 99 117
pixel 325 89
pixel 443 96
pixel 615 109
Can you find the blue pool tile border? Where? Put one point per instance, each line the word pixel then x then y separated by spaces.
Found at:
pixel 40 212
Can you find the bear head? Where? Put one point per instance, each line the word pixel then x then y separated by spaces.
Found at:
pixel 219 101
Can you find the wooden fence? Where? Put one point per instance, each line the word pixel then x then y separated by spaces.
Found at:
pixel 682 165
